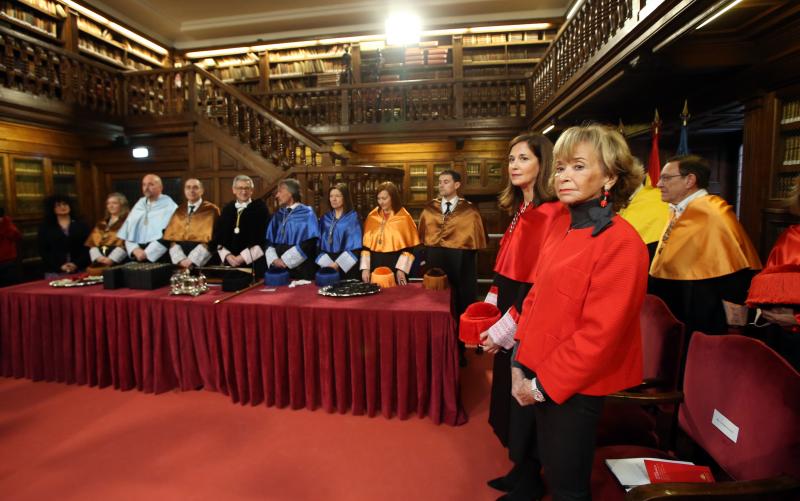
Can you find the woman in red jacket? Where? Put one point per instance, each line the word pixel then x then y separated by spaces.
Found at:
pixel 579 330
pixel 529 196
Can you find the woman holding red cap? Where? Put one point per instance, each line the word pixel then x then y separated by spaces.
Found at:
pixel 579 330
pixel 530 198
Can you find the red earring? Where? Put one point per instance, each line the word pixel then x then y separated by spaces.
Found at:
pixel 604 201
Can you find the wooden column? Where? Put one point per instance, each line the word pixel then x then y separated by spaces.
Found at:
pixel 760 120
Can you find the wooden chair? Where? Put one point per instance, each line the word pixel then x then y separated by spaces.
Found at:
pixel 625 420
pixel 757 391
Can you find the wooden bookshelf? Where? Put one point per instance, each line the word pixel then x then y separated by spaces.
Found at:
pixel 42 18
pixel 788 147
pixel 114 48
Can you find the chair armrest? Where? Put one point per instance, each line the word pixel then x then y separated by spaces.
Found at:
pixel 669 397
pixel 769 488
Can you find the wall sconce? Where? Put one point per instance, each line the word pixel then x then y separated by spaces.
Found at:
pixel 140 152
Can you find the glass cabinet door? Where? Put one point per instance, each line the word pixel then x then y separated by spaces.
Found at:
pixel 29 185
pixel 494 173
pixel 473 172
pixel 418 177
pixel 65 180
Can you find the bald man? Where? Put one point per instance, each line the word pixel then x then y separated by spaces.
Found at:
pixel 145 224
pixel 191 227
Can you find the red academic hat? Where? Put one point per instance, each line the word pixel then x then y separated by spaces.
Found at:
pixel 477 318
pixel 776 285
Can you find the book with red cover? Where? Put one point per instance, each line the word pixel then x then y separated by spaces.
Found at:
pixel 661 471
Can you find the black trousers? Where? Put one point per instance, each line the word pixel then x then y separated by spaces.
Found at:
pixel 566 442
pixel 502 405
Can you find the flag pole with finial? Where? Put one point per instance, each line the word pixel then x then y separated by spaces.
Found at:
pixel 683 144
pixel 654 162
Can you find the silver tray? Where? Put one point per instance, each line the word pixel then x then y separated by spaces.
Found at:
pixel 349 288
pixel 79 282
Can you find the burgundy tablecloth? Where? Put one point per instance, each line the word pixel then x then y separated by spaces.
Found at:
pixel 393 353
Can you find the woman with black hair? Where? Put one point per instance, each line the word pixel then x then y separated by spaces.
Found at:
pixel 61 238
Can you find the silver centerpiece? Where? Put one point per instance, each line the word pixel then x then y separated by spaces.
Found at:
pixel 183 282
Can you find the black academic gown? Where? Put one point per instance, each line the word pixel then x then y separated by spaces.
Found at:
pixel 252 227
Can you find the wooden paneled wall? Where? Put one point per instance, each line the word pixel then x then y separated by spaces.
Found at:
pixel 175 158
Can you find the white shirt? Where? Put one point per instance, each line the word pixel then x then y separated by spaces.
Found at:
pixel 453 202
pixel 196 206
pixel 243 205
pixel 678 208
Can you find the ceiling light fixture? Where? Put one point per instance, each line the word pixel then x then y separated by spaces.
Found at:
pixel 549 128
pixel 719 13
pixel 403 28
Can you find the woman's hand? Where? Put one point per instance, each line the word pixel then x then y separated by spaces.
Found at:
pixel 365 276
pixel 68 267
pixel 487 344
pixel 521 391
pixel 780 316
pixel 185 263
pixel 334 266
pixel 105 260
pixel 401 277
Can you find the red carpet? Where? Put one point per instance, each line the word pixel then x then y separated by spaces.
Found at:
pixel 73 442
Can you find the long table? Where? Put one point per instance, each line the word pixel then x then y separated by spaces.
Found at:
pixel 393 353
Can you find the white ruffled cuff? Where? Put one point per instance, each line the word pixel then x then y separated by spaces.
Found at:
pixel 154 251
pixel 199 255
pixel 176 254
pixel 272 255
pixel 323 260
pixel 502 332
pixel 117 255
pixel 293 257
pixel 346 261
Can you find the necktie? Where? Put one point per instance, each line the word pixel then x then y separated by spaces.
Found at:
pixel 447 208
pixel 673 217
pixel 191 210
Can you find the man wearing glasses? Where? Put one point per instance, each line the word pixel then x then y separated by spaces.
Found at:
pixel 704 261
pixel 239 232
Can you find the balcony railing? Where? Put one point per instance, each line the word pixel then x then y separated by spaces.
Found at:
pixel 39 69
pixel 406 101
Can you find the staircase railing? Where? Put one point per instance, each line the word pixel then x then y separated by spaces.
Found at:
pixel 191 89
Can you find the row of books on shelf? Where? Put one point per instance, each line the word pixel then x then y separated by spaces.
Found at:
pixel 29 189
pixel 328 80
pixel 53 8
pixel 790 112
pixel 791 154
pixel 237 72
pixel 785 183
pixel 312 66
pixel 63 170
pixel 90 27
pixel 419 55
pixel 527 53
pixel 332 51
pixel 248 59
pixel 500 38
pixel 102 50
pixel 288 84
pixel 48 26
